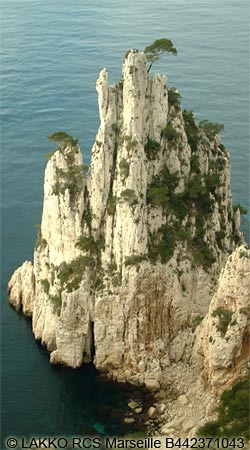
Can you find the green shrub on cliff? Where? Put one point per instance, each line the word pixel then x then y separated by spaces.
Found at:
pixel 203 255
pixel 196 187
pixel 56 301
pixel 191 129
pixel 151 149
pixel 161 190
pixel 131 144
pixel 169 132
pixel 46 285
pixel 40 242
pixel 211 128
pixel 174 97
pixel 158 195
pixel 242 209
pixel 86 244
pixel 225 316
pixel 161 244
pixel 233 414
pixel 219 236
pixel 111 205
pixel 134 260
pixel 129 196
pixel 124 168
pixel 70 274
pixel 63 139
pixel 71 179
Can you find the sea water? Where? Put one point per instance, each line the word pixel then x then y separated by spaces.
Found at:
pixel 52 53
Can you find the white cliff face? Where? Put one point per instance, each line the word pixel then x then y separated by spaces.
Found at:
pixel 219 357
pixel 22 288
pixel 130 255
pixel 223 338
pixel 61 218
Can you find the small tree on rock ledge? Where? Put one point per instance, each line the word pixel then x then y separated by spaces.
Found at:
pixel 154 51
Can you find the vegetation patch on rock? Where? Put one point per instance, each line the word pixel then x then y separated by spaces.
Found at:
pixel 233 414
pixel 225 316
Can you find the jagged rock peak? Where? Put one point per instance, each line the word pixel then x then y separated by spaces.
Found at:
pixel 128 256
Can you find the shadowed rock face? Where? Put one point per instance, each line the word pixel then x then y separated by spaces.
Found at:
pixel 128 256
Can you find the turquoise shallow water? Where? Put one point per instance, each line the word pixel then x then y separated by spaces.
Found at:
pixel 52 53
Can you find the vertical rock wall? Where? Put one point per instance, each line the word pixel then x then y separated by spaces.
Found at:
pixel 129 256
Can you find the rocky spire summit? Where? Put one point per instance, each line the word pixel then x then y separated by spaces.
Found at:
pixel 129 256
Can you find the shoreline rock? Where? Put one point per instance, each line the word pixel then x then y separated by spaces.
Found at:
pixel 128 258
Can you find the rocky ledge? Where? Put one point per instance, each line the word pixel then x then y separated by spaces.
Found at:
pixel 128 256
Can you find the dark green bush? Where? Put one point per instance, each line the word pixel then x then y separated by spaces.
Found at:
pixel 191 129
pixel 196 186
pixel 194 163
pixel 98 283
pixel 179 204
pixel 203 255
pixel 242 209
pixel 170 179
pixel 219 236
pixel 162 188
pixel 134 260
pixel 120 85
pixel 169 132
pixel 56 301
pixel 70 274
pixel 129 196
pixel 196 198
pixel 71 179
pixel 151 149
pixel 112 267
pixel 45 284
pixel 40 242
pixel 210 128
pixel 162 244
pixel 210 429
pixel 158 195
pixel 233 414
pixel 198 192
pixel 217 165
pixel 115 128
pixel 63 139
pixel 116 280
pixel 198 238
pixel 111 205
pixel 204 204
pixel 197 320
pixel 225 316
pixel 212 181
pixel 223 148
pixel 182 234
pixel 88 244
pixel 87 216
pixel 124 167
pixel 174 97
pixel 130 143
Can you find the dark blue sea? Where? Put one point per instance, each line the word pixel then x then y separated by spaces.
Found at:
pixel 52 52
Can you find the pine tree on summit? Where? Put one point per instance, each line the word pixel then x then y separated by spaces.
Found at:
pixel 154 51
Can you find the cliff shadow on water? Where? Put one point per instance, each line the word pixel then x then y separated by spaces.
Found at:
pixel 102 404
pixel 63 401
